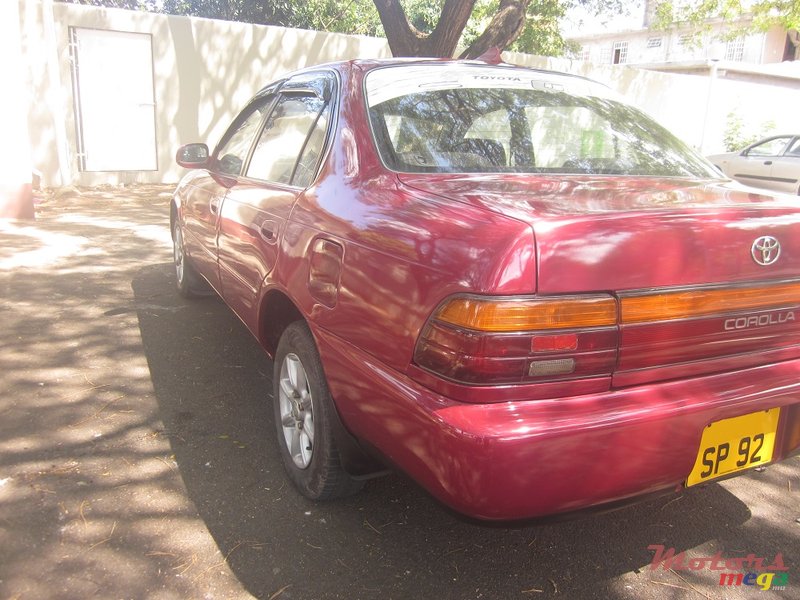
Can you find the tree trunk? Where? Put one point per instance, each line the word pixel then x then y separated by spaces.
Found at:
pixel 502 30
pixel 405 40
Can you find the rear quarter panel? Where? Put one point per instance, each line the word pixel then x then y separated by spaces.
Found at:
pixel 402 255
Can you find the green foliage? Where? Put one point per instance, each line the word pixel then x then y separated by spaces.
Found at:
pixel 248 11
pixel 743 16
pixel 423 14
pixel 148 5
pixel 736 136
pixel 354 16
pixel 542 34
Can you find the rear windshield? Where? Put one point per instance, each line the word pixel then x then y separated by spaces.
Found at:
pixel 464 118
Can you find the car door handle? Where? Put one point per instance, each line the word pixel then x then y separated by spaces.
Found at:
pixel 267 231
pixel 214 206
pixel 767 162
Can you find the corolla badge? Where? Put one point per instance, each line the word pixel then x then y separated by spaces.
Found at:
pixel 766 250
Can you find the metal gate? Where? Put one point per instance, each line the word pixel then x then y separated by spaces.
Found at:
pixel 112 75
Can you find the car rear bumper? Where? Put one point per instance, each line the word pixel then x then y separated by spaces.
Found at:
pixel 521 460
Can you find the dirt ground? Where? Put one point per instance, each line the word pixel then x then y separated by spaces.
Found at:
pixel 137 458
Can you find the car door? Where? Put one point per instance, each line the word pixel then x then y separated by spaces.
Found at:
pixel 755 164
pixel 204 199
pixel 282 163
pixel 786 168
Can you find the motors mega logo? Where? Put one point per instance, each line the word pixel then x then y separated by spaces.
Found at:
pixel 746 570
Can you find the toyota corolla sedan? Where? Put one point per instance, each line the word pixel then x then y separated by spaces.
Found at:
pixel 507 283
pixel 772 163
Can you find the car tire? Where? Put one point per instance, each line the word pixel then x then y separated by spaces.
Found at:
pixel 303 415
pixel 188 281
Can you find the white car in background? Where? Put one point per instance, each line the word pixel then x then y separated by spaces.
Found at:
pixel 772 163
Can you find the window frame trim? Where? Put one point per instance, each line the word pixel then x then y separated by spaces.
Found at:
pixel 253 103
pixel 284 88
pixel 325 104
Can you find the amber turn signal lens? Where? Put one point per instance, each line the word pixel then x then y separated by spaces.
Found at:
pixel 529 314
pixel 699 303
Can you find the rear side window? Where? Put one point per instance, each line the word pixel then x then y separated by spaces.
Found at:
pixel 292 129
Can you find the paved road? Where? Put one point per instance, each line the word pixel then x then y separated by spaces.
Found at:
pixel 136 459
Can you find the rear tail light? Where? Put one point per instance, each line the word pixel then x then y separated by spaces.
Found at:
pixel 685 304
pixel 669 333
pixel 494 341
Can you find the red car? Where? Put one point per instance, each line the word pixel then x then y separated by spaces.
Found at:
pixel 505 282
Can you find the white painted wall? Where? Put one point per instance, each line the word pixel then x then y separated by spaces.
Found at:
pixel 205 70
pixel 15 151
pixel 688 105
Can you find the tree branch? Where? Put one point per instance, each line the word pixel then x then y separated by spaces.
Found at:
pixel 502 30
pixel 403 38
pixel 444 38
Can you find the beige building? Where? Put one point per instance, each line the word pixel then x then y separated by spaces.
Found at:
pixel 651 48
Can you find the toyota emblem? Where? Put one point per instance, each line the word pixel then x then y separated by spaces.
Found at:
pixel 766 250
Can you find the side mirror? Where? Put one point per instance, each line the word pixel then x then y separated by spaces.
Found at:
pixel 192 156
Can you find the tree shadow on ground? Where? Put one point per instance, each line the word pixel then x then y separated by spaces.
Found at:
pixel 91 502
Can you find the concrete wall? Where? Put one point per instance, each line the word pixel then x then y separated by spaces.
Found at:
pixel 205 70
pixel 694 108
pixel 15 169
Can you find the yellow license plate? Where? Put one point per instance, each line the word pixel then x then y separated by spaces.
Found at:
pixel 735 444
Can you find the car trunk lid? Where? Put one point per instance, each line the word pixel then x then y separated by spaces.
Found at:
pixel 689 252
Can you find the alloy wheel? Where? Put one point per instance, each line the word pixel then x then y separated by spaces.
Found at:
pixel 296 411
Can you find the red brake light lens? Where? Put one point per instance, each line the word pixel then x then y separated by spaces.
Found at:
pixel 554 343
pixel 495 341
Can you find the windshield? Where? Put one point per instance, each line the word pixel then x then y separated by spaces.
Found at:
pixel 465 118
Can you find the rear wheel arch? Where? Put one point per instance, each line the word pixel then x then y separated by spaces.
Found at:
pixel 276 313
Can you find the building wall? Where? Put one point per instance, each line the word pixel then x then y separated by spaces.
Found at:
pixel 756 48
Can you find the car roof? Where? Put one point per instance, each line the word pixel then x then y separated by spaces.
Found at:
pixel 368 64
